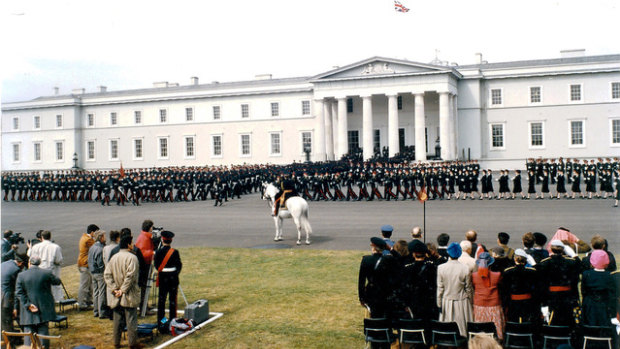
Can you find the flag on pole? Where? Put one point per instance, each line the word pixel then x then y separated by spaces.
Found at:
pixel 122 171
pixel 422 195
pixel 400 7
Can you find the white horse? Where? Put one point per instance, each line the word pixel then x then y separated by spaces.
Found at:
pixel 296 208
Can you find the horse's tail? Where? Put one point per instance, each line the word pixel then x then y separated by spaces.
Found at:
pixel 305 221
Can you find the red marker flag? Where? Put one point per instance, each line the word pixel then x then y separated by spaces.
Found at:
pixel 122 171
pixel 400 7
pixel 422 195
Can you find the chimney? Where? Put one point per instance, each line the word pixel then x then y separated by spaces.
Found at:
pixel 479 58
pixel 194 80
pixel 102 88
pixel 56 89
pixel 78 91
pixel 173 84
pixel 581 52
pixel 160 84
pixel 262 77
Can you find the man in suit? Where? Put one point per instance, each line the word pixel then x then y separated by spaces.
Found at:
pixel 34 291
pixel 10 270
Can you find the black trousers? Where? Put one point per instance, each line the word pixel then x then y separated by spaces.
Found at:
pixel 167 291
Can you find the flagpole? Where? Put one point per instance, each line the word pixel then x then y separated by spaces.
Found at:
pixel 424 222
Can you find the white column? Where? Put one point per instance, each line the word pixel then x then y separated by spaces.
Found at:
pixel 450 127
pixel 334 107
pixel 420 126
pixel 367 130
pixel 329 131
pixel 319 149
pixel 343 141
pixel 455 127
pixel 393 125
pixel 444 124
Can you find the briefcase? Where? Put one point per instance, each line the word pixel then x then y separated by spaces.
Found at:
pixel 198 311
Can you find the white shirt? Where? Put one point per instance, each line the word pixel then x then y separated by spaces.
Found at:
pixel 50 254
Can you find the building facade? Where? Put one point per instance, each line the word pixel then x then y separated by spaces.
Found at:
pixel 497 113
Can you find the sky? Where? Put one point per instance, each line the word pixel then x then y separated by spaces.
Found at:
pixel 132 43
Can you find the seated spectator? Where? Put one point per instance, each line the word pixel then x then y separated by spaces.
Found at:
pixel 465 257
pixel 598 243
pixel 598 291
pixel 483 342
pixel 442 244
pixel 487 303
pixel 502 241
pixel 538 252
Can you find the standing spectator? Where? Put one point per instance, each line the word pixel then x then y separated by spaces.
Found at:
pixel 476 248
pixel 539 252
pixel 85 292
pixel 376 278
pixel 487 303
pixel 10 271
pixel 417 233
pixel 34 291
pixel 144 268
pixel 501 262
pixel 51 259
pixel 169 265
pixel 8 249
pixel 519 291
pixel 502 241
pixel 420 284
pixel 96 268
pixel 121 277
pixel 454 290
pixel 598 243
pixel 466 258
pixel 598 291
pixel 386 233
pixel 442 244
pixel 145 243
pixel 115 236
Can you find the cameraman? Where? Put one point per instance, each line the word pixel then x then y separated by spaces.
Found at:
pixel 8 248
pixel 145 243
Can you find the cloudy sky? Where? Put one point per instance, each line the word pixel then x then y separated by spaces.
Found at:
pixel 133 43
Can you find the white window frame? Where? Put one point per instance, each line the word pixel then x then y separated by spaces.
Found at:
pixel 529 132
pixel 583 133
pixel 34 122
pixel 275 112
pixel 62 121
pixel 491 146
pixel 15 123
pixel 611 132
pixel 90 116
pixel 185 155
pixel 193 115
pixel 530 95
pixel 134 148
pixel 34 152
pixel 165 115
pixel 501 97
pixel 56 158
pixel 110 141
pixel 221 145
pixel 87 150
pixel 159 148
pixel 611 90
pixel 16 159
pixel 248 111
pixel 271 152
pixel 249 154
pixel 218 115
pixel 137 113
pixel 113 118
pixel 570 93
pixel 301 140
pixel 303 107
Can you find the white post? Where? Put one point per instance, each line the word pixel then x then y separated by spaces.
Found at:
pixel 420 126
pixel 367 130
pixel 393 125
pixel 319 154
pixel 329 131
pixel 343 141
pixel 444 125
pixel 334 107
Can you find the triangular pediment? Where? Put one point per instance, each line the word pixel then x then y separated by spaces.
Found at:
pixel 379 66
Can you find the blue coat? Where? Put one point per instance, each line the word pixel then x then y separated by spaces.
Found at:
pixel 34 286
pixel 10 270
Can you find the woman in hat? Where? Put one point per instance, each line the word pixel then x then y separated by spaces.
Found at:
pixel 598 291
pixel 487 303
pixel 454 290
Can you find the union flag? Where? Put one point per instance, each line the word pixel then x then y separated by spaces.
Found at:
pixel 400 7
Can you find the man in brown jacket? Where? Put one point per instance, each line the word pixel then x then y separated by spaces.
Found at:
pixel 85 292
pixel 121 278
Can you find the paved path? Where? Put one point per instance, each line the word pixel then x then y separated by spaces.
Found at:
pixel 336 225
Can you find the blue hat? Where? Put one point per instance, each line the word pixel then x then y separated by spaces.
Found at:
pixel 387 228
pixel 454 250
pixel 379 242
pixel 485 259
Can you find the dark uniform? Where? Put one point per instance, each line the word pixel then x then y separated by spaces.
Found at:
pixel 375 281
pixel 287 190
pixel 559 277
pixel 168 276
pixel 520 297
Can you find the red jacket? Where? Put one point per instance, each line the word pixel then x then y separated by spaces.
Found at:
pixel 145 244
pixel 486 296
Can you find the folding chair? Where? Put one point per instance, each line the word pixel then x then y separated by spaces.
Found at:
pixel 481 329
pixel 447 334
pixel 378 330
pixel 68 301
pixel 555 335
pixel 59 320
pixel 40 338
pixel 597 334
pixel 410 332
pixel 519 335
pixel 7 335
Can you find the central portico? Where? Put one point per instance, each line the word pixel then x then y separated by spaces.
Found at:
pixel 413 103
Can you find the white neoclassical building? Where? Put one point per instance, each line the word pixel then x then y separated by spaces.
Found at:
pixel 497 113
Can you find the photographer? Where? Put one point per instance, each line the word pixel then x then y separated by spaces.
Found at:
pixel 9 245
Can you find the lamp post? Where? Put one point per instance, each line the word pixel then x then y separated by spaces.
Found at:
pixel 75 161
pixel 307 151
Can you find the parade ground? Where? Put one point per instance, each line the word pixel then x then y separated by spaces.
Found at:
pixel 246 222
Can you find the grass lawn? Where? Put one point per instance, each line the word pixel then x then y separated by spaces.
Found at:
pixel 291 298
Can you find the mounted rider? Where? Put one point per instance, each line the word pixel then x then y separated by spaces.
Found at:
pixel 287 190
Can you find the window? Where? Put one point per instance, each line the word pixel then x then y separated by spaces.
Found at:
pixel 60 151
pixel 577 134
pixel 113 119
pixel 189 147
pixel 37 122
pixel 537 135
pixel 163 148
pixel 137 117
pixel 575 93
pixel 114 149
pixel 58 121
pixel 16 152
pixel 90 150
pixel 305 107
pixel 37 151
pixel 497 136
pixel 276 145
pixel 217 145
pixel 15 123
pixel 535 94
pixel 349 105
pixel 399 102
pixel 245 145
pixel 275 109
pixel 306 141
pixel 496 96
pixel 353 138
pixel 217 112
pixel 90 120
pixel 245 111
pixel 163 115
pixel 377 140
pixel 615 90
pixel 615 131
pixel 189 114
pixel 137 148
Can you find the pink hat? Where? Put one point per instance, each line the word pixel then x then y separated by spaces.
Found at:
pixel 599 259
